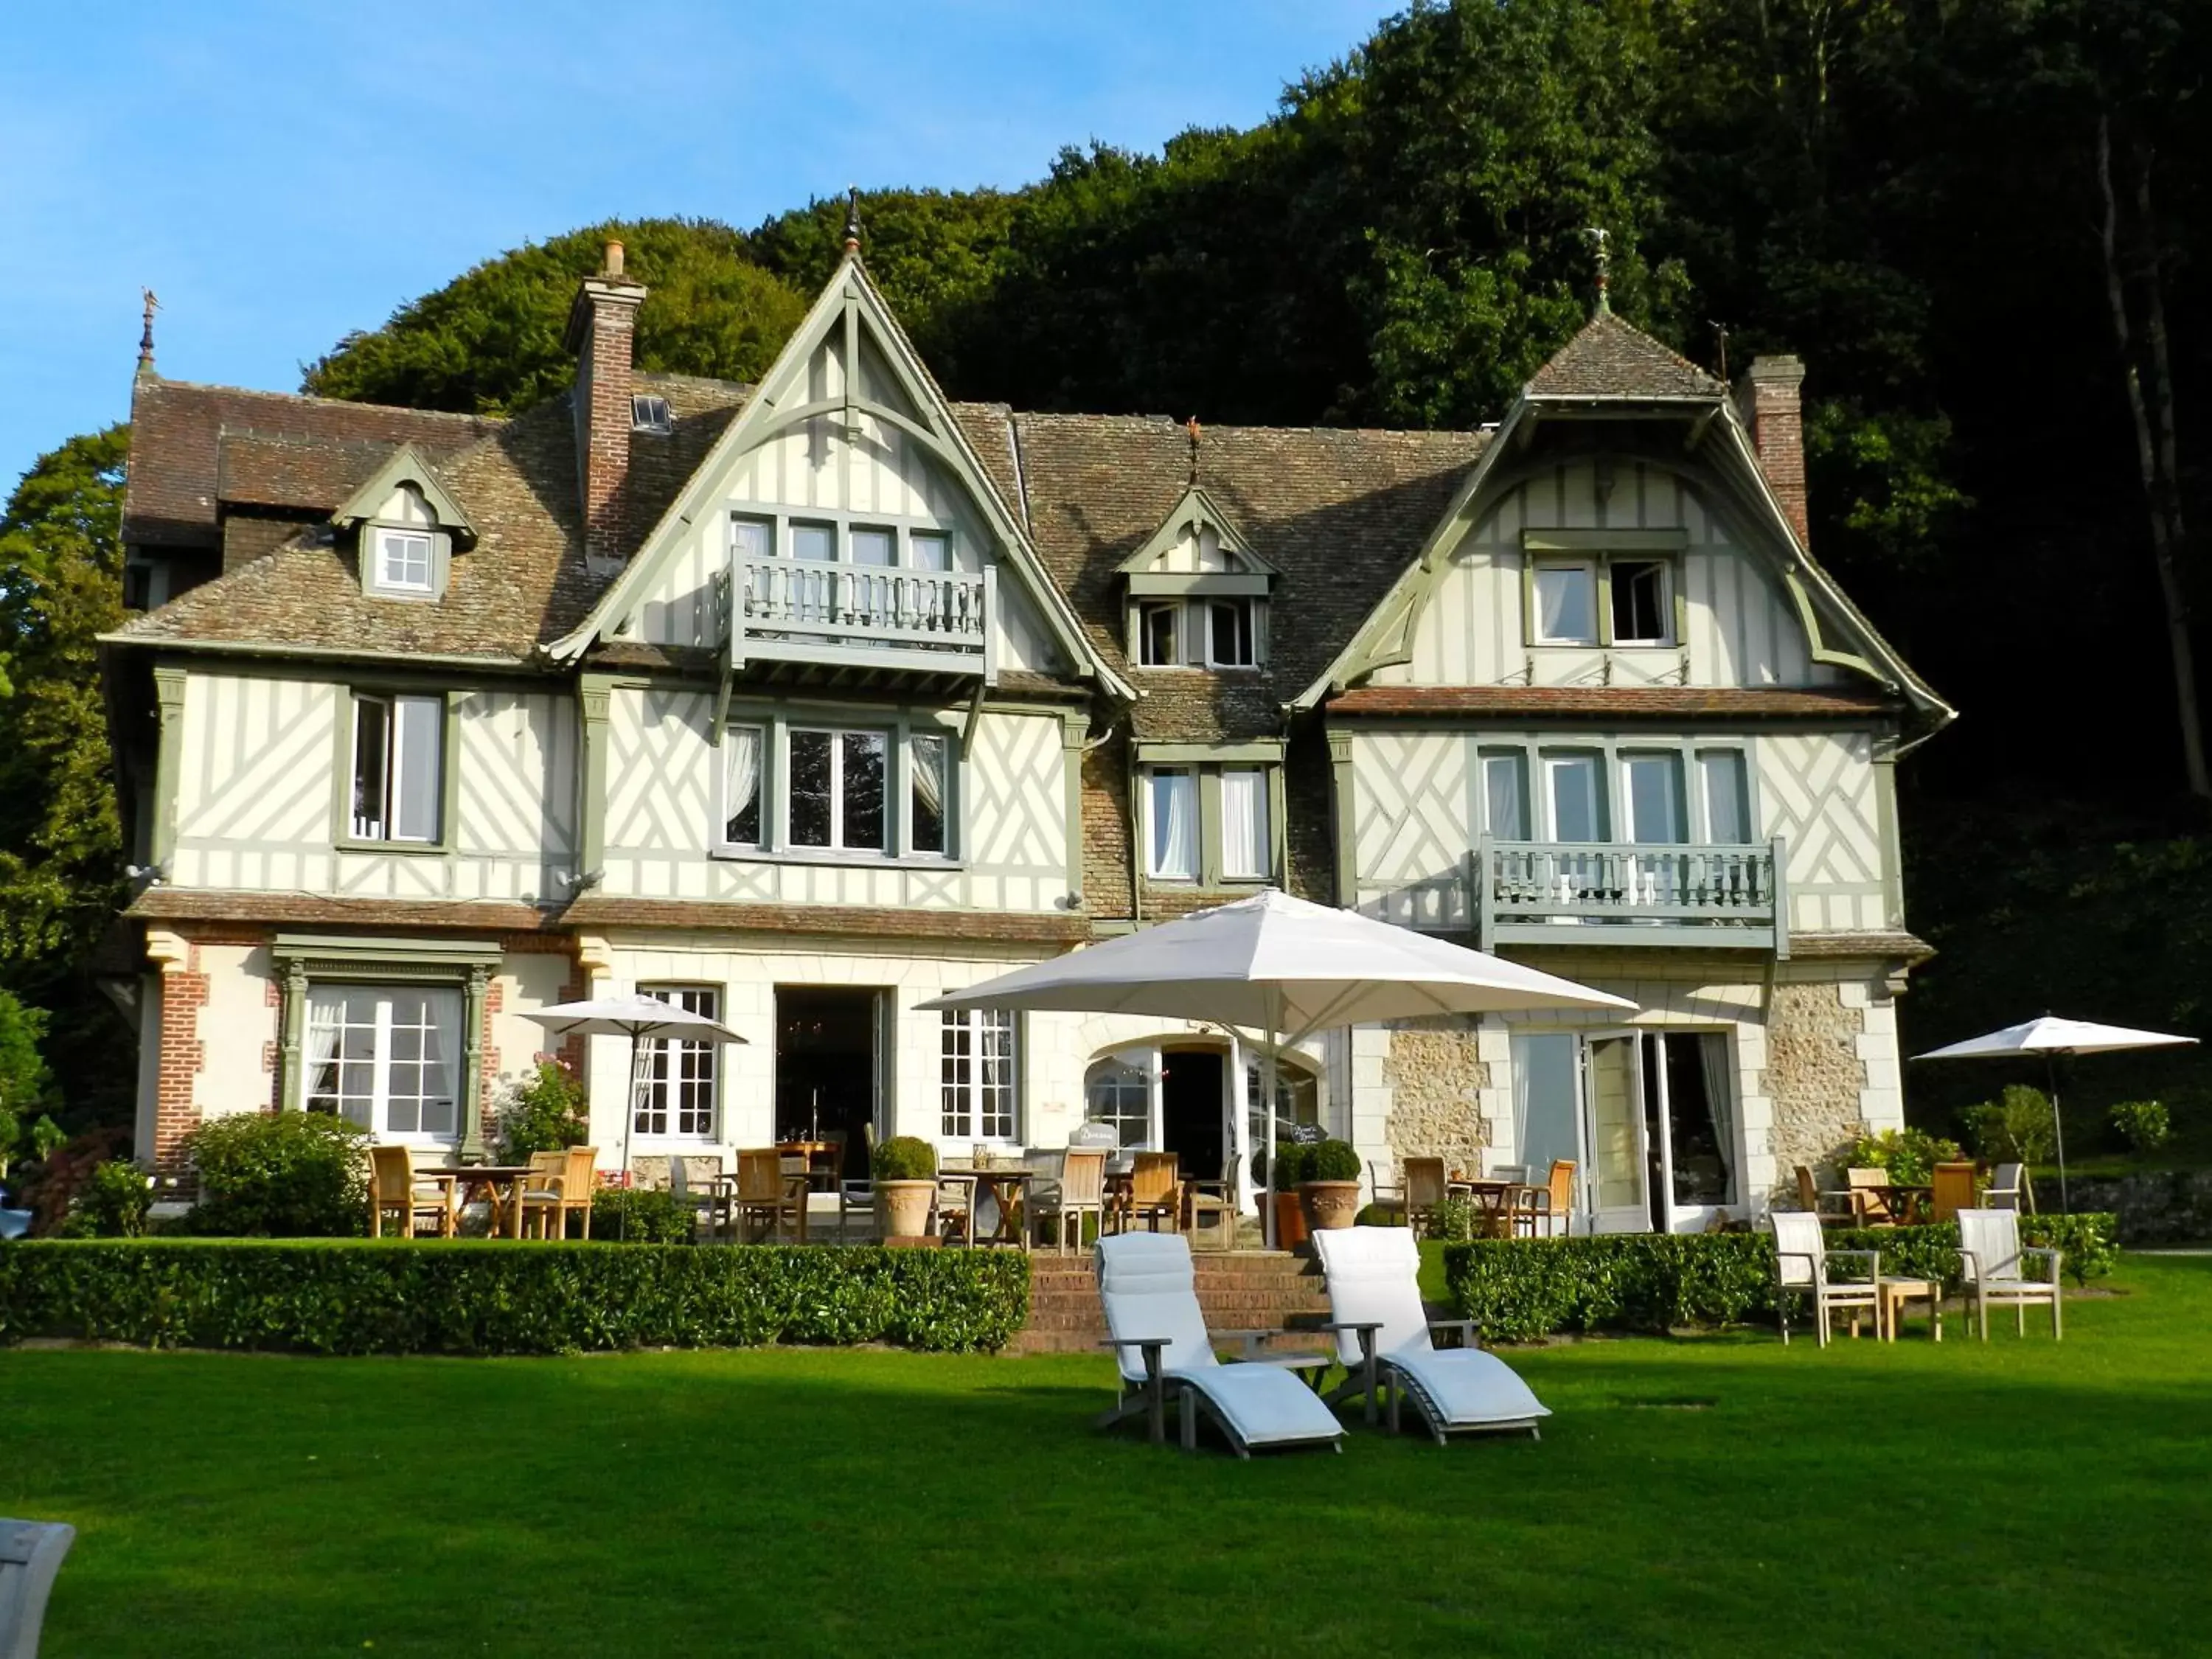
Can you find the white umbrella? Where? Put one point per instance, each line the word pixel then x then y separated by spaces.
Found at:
pixel 2050 1037
pixel 1280 965
pixel 641 1019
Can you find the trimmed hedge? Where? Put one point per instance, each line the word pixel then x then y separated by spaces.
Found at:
pixel 398 1297
pixel 1517 1290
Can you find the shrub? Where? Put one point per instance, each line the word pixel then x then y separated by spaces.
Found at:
pixel 1910 1155
pixel 113 1202
pixel 1332 1160
pixel 2142 1123
pixel 545 1115
pixel 464 1298
pixel 2013 1129
pixel 281 1175
pixel 1456 1220
pixel 40 1139
pixel 1293 1163
pixel 641 1215
pixel 906 1157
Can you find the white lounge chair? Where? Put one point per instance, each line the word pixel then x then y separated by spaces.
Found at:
pixel 1800 1268
pixel 1990 1253
pixel 1160 1342
pixel 1382 1340
pixel 31 1553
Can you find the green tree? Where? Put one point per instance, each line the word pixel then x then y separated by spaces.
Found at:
pixel 25 1083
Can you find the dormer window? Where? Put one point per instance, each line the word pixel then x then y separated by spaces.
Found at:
pixel 648 413
pixel 1159 631
pixel 404 563
pixel 1197 593
pixel 1228 642
pixel 406 528
pixel 1609 588
pixel 1640 610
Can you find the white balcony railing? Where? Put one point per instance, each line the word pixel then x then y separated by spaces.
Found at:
pixel 864 615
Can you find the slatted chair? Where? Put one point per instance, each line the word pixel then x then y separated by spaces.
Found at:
pixel 1951 1190
pixel 561 1184
pixel 31 1554
pixel 1548 1208
pixel 953 1214
pixel 696 1183
pixel 765 1202
pixel 1801 1266
pixel 1155 1193
pixel 1212 1204
pixel 1991 1258
pixel 1080 1191
pixel 1813 1200
pixel 1423 1191
pixel 857 1197
pixel 394 1188
pixel 1870 1206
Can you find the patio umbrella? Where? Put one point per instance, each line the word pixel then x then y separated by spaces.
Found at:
pixel 2050 1037
pixel 1280 965
pixel 641 1019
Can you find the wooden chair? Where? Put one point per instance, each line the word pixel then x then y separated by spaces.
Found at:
pixel 31 1554
pixel 1155 1192
pixel 858 1197
pixel 1423 1191
pixel 1549 1207
pixel 1387 1197
pixel 1869 1207
pixel 696 1182
pixel 560 1185
pixel 1081 1191
pixel 1802 1258
pixel 1954 1190
pixel 1811 1197
pixel 765 1201
pixel 393 1186
pixel 1212 1203
pixel 953 1214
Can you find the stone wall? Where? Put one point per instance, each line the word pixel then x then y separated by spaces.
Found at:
pixel 2159 1207
pixel 1814 1076
pixel 1435 1075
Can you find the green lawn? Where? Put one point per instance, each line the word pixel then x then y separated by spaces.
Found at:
pixel 1717 1495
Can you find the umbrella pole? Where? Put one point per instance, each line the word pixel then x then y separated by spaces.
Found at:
pixel 2057 1128
pixel 1267 1105
pixel 629 1117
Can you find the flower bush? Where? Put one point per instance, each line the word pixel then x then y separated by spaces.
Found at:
pixel 280 1174
pixel 544 1114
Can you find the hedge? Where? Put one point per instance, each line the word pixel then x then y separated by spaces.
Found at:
pixel 345 1296
pixel 1517 1290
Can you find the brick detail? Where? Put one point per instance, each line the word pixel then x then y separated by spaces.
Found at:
pixel 1773 394
pixel 487 1067
pixel 184 993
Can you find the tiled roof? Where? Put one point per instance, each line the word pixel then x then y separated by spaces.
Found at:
pixel 309 909
pixel 847 920
pixel 177 430
pixel 1610 358
pixel 316 474
pixel 1669 702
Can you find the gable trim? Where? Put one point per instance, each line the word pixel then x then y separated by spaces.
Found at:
pixel 407 465
pixel 1194 509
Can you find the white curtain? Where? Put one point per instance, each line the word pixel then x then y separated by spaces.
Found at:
pixel 1174 825
pixel 1567 603
pixel 441 1049
pixel 741 769
pixel 929 773
pixel 326 1009
pixel 1720 1095
pixel 1244 824
pixel 420 733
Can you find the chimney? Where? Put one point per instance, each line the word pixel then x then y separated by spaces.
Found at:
pixel 1768 399
pixel 601 326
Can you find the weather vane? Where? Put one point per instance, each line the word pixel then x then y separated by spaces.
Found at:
pixel 852 218
pixel 1601 239
pixel 146 330
pixel 1192 428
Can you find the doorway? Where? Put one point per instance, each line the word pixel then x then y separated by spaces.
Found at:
pixel 828 1081
pixel 1192 1084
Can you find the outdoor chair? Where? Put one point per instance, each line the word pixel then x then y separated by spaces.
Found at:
pixel 1161 1346
pixel 1212 1204
pixel 1870 1205
pixel 2007 1188
pixel 1950 1190
pixel 858 1197
pixel 1423 1191
pixel 766 1203
pixel 1990 1256
pixel 696 1183
pixel 1551 1206
pixel 560 1185
pixel 1801 1260
pixel 1811 1197
pixel 1514 1172
pixel 1154 1192
pixel 1388 1196
pixel 1080 1191
pixel 395 1188
pixel 828 1175
pixel 1383 1341
pixel 31 1553
pixel 954 1212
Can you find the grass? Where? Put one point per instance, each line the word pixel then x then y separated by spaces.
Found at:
pixel 1712 1494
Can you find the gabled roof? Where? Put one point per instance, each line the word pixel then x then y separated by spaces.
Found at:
pixel 1610 358
pixel 405 465
pixel 1196 509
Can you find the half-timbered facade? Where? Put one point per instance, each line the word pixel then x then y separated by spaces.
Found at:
pixel 801 703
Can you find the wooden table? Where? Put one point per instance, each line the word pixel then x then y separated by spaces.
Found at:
pixel 1494 1198
pixel 1005 1188
pixel 795 1185
pixel 471 1179
pixel 1892 1294
pixel 1906 1202
pixel 810 1149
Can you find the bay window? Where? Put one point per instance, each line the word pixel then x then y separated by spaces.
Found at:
pixel 398 767
pixel 978 1095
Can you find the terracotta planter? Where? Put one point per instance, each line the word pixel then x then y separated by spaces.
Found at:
pixel 1330 1204
pixel 1290 1222
pixel 905 1206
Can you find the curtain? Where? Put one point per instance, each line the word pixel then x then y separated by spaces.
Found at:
pixel 420 731
pixel 1728 808
pixel 1505 784
pixel 1174 825
pixel 1244 824
pixel 929 773
pixel 325 1010
pixel 1567 603
pixel 741 770
pixel 1720 1095
pixel 442 1056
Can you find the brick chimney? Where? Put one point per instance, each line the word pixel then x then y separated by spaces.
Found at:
pixel 1768 399
pixel 602 324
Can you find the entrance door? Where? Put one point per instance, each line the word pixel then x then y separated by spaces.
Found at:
pixel 826 1076
pixel 1689 1116
pixel 1193 1082
pixel 1613 1130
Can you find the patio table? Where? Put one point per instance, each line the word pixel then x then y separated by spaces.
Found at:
pixel 1005 1188
pixel 1494 1198
pixel 488 1180
pixel 1893 1293
pixel 1907 1204
pixel 796 1186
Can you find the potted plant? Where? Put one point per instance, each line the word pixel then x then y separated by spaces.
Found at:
pixel 1290 1160
pixel 1330 1191
pixel 905 1172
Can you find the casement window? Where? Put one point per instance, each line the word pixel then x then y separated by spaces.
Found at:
pixel 742 748
pixel 928 758
pixel 649 412
pixel 1567 603
pixel 978 1078
pixel 1643 608
pixel 1506 795
pixel 1228 642
pixel 398 767
pixel 1213 633
pixel 1727 796
pixel 836 796
pixel 873 545
pixel 1171 824
pixel 1574 789
pixel 387 1057
pixel 789 790
pixel 1651 786
pixel 405 561
pixel 1160 635
pixel 1609 600
pixel 679 1087
pixel 1247 848
pixel 1118 1093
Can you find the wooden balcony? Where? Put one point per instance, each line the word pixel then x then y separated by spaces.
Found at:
pixel 1588 893
pixel 864 617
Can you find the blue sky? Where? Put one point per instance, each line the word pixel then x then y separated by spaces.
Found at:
pixel 281 174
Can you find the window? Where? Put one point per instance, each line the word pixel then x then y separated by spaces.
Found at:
pixel 1246 852
pixel 1171 825
pixel 817 542
pixel 1506 795
pixel 1119 1093
pixel 753 538
pixel 1576 787
pixel 875 547
pixel 837 790
pixel 648 413
pixel 741 786
pixel 1298 1100
pixel 678 1095
pixel 1229 636
pixel 397 767
pixel 403 562
pixel 1566 604
pixel 926 764
pixel 1160 635
pixel 1656 808
pixel 387 1057
pixel 1641 615
pixel 1727 796
pixel 976 1073
pixel 931 549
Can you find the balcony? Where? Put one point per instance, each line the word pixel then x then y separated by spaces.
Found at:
pixel 865 617
pixel 1510 892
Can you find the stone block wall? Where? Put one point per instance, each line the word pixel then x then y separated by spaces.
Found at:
pixel 1816 1075
pixel 1436 1074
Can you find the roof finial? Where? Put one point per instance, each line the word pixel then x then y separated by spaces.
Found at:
pixel 1191 426
pixel 146 332
pixel 852 218
pixel 1600 239
pixel 1721 334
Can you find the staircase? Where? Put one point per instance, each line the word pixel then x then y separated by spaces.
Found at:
pixel 1238 1290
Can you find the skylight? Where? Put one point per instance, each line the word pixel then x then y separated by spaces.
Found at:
pixel 648 413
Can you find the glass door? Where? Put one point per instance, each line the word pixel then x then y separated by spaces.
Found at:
pixel 1689 1113
pixel 1614 1133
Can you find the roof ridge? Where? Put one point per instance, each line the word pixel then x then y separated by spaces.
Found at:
pixel 161 382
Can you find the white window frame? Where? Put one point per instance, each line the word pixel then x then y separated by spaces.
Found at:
pixel 894 771
pixel 674 1068
pixel 382 540
pixel 1665 637
pixel 1246 609
pixel 779 531
pixel 985 1105
pixel 375 1106
pixel 1179 615
pixel 384 827
pixel 1703 793
pixel 726 809
pixel 1632 829
pixel 1601 807
pixel 1257 834
pixel 1599 599
pixel 1142 1066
